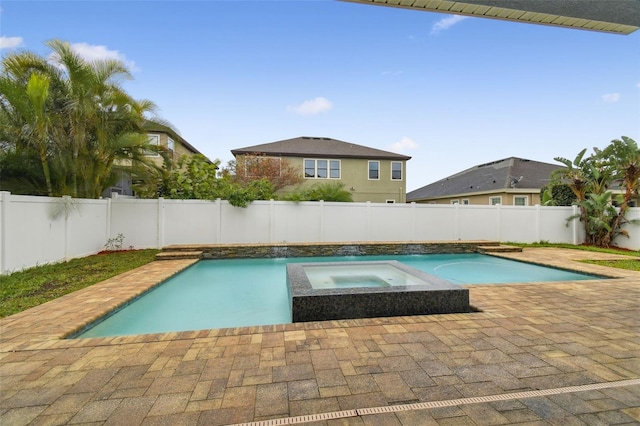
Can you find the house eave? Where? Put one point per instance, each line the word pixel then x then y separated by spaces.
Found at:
pixel 477 193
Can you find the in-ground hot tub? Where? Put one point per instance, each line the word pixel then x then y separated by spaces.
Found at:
pixel 344 290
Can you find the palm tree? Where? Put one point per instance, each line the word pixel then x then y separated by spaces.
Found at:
pixel 330 191
pixel 79 118
pixel 25 107
pixel 590 179
pixel 623 155
pixel 575 176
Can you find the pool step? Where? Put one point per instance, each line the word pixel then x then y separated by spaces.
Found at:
pixel 181 254
pixel 498 249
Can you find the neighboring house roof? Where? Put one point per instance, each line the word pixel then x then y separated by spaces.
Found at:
pixel 153 126
pixel 505 174
pixel 306 146
pixel 615 16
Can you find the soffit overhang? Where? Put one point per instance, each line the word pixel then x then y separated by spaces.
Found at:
pixel 611 16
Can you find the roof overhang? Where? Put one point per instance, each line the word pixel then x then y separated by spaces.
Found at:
pixel 612 16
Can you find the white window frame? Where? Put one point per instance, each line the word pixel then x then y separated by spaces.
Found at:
pixel 465 201
pixel 454 201
pixel 401 171
pixel 171 145
pixel 524 197
pixel 339 169
pixel 325 169
pixel 369 169
pixel 498 197
pixel 150 138
pixel 315 168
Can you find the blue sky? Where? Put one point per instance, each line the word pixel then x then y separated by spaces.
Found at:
pixel 450 92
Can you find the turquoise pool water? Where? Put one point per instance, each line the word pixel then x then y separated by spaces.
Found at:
pixel 248 292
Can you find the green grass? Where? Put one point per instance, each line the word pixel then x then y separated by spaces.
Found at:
pixel 624 252
pixel 630 264
pixel 34 286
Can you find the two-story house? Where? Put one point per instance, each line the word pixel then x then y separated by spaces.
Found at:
pixel 369 174
pixel 510 181
pixel 159 135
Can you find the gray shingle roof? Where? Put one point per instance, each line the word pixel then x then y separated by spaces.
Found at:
pixel 498 175
pixel 306 146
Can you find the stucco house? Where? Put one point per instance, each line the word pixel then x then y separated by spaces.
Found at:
pixel 510 181
pixel 160 135
pixel 369 174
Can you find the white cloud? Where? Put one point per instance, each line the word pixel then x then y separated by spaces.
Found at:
pixel 611 98
pixel 91 52
pixel 405 144
pixel 10 42
pixel 446 23
pixel 311 107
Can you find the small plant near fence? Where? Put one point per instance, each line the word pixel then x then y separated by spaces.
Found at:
pixel 114 243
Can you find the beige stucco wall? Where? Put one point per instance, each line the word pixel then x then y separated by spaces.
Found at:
pixel 179 148
pixel 354 175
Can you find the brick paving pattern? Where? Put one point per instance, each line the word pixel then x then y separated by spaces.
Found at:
pixel 527 337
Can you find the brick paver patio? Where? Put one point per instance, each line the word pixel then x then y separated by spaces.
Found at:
pixel 554 353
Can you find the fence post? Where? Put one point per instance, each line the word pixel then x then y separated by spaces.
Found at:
pixel 456 221
pixel 160 236
pixel 538 218
pixel 414 221
pixel 369 221
pixel 5 199
pixel 574 226
pixel 219 211
pixel 272 221
pixel 498 222
pixel 321 224
pixel 67 202
pixel 108 224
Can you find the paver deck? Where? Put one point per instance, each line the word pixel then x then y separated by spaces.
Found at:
pixel 554 353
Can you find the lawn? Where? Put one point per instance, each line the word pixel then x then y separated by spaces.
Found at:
pixel 31 287
pixel 34 286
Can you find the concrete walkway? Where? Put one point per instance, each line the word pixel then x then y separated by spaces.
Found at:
pixel 554 353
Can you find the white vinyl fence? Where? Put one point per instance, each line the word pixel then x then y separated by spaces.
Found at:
pixel 38 230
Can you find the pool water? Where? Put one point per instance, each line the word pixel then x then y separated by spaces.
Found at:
pixel 249 292
pixel 373 274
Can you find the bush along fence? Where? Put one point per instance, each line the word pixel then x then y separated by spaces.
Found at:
pixel 37 230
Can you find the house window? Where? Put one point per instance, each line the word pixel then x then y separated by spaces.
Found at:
pixel 322 169
pixel 396 170
pixel 171 145
pixel 520 200
pixel 374 170
pixel 152 140
pixel 465 201
pixel 334 169
pixel 309 168
pixel 390 201
pixel 495 200
pixel 454 202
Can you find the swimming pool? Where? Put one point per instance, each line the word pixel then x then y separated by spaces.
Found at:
pixel 249 292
